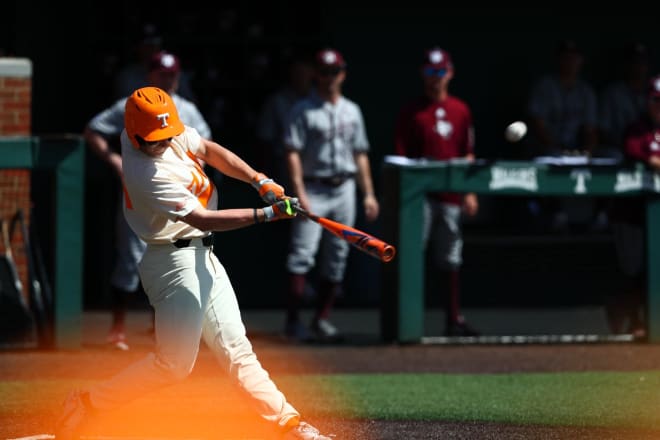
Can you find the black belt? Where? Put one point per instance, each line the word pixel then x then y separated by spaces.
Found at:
pixel 329 181
pixel 185 242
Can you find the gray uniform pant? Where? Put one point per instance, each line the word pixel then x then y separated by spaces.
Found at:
pixel 443 233
pixel 336 203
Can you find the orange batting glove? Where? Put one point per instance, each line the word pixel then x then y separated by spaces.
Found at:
pixel 269 191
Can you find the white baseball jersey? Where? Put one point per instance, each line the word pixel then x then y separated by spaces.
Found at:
pixel 158 191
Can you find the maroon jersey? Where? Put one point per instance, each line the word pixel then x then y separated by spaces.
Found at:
pixel 641 141
pixel 435 130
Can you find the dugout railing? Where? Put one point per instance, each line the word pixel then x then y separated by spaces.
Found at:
pixel 405 183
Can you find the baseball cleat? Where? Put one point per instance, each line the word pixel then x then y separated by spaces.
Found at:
pixel 117 339
pixel 305 431
pixel 325 331
pixel 461 328
pixel 75 411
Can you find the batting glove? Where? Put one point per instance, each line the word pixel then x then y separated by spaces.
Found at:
pixel 269 191
pixel 281 210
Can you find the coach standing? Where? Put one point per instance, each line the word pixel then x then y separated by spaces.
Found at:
pixel 327 150
pixel 439 126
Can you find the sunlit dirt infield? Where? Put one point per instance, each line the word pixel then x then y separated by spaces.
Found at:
pixel 205 405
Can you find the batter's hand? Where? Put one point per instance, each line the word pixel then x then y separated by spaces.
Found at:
pixel 269 191
pixel 281 210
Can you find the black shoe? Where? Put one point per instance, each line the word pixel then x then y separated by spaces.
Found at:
pixel 295 331
pixel 461 328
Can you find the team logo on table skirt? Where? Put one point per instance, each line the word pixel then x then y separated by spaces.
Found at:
pixel 580 177
pixel 628 181
pixel 513 178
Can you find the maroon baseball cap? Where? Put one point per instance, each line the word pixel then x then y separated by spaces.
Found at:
pixel 654 87
pixel 437 58
pixel 164 62
pixel 330 58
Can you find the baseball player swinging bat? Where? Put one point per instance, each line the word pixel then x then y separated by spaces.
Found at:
pixel 361 240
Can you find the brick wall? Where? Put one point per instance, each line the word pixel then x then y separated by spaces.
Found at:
pixel 15 119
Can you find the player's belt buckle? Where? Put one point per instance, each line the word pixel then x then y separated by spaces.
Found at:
pixel 330 181
pixel 185 242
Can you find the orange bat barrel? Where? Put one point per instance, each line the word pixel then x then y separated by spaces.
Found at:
pixel 356 238
pixel 361 240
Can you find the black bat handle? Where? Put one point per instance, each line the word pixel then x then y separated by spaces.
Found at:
pixel 306 213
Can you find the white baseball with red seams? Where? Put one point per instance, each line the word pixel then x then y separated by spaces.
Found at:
pixel 515 131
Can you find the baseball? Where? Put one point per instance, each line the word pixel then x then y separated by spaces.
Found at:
pixel 515 131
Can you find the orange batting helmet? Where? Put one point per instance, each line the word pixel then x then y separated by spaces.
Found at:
pixel 151 115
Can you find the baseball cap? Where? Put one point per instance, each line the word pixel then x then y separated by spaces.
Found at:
pixel 654 87
pixel 164 62
pixel 330 58
pixel 437 58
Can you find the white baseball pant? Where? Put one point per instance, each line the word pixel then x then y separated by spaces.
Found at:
pixel 192 297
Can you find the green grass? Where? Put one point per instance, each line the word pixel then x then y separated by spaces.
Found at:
pixel 590 399
pixel 611 399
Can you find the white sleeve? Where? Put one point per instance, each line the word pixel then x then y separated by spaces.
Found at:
pixel 295 131
pixel 360 141
pixel 192 139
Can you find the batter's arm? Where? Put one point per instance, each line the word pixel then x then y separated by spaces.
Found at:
pixel 223 219
pixel 225 161
pixel 230 219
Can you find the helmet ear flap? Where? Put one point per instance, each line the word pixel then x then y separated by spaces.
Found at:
pixel 151 115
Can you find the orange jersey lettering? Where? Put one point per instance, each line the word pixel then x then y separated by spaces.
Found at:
pixel 127 198
pixel 200 185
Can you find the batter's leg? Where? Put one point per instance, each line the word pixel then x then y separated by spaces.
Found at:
pixel 178 297
pixel 224 333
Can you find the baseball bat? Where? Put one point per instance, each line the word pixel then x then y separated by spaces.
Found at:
pixel 35 289
pixel 11 263
pixel 361 240
pixel 16 318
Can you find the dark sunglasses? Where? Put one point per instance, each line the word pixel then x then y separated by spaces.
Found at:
pixel 330 71
pixel 432 71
